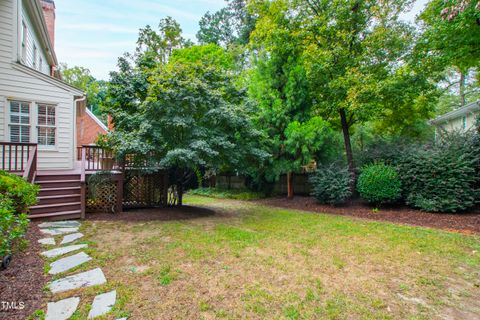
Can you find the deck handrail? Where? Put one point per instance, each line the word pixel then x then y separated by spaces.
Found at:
pixel 14 156
pixel 83 185
pixel 31 169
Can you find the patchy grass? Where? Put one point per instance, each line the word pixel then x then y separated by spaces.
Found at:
pixel 256 262
pixel 227 194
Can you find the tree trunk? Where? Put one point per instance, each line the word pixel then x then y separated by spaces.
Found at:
pixel 462 89
pixel 180 194
pixel 348 145
pixel 290 185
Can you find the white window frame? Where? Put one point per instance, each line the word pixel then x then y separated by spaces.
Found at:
pixel 35 55
pixel 10 124
pixel 24 41
pixel 55 126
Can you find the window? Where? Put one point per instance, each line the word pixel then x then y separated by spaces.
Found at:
pixel 40 64
pixel 19 122
pixel 24 41
pixel 464 122
pixel 35 53
pixel 46 125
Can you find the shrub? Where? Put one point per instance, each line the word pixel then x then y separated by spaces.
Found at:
pixel 16 195
pixel 332 185
pixel 442 178
pixel 379 184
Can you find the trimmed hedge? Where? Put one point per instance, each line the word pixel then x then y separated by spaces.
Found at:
pixel 379 184
pixel 16 195
pixel 332 185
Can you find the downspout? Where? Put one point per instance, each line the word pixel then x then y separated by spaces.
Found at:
pixel 75 103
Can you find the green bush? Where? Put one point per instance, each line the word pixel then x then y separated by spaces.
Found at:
pixel 331 185
pixel 379 184
pixel 16 195
pixel 442 178
pixel 227 194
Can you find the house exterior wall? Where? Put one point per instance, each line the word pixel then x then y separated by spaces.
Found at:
pixel 22 83
pixel 457 123
pixel 88 127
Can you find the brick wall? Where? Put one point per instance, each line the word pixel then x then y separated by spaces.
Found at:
pixel 87 128
pixel 48 7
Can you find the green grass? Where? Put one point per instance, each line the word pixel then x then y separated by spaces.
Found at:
pixel 257 262
pixel 227 194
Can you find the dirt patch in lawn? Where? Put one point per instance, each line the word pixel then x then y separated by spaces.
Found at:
pixel 159 214
pixel 460 222
pixel 22 283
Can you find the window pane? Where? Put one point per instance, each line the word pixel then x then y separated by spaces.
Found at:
pixel 51 111
pixel 25 136
pixel 25 108
pixel 14 119
pixel 25 120
pixel 14 107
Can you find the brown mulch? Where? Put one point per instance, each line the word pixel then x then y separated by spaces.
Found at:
pixel 23 281
pixel 467 222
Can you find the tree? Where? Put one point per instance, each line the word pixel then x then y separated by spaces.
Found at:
pixel 181 110
pixel 281 91
pixel 230 25
pixel 82 79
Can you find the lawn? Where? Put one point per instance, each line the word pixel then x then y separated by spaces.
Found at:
pixel 239 259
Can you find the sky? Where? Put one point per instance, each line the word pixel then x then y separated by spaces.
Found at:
pixel 93 33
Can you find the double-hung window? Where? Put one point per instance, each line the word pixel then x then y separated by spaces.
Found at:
pixel 35 53
pixel 19 122
pixel 46 125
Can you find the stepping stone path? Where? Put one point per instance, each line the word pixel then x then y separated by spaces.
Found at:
pixel 62 250
pixel 64 309
pixel 59 231
pixel 102 304
pixel 47 241
pixel 68 263
pixel 71 238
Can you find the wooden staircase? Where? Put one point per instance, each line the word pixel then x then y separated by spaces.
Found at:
pixel 60 197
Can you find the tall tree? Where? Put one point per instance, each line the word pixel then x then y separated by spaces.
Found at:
pixel 279 86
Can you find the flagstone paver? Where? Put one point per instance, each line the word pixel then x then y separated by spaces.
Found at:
pixel 47 241
pixel 68 263
pixel 58 231
pixel 63 309
pixel 71 237
pixel 102 304
pixel 62 250
pixel 79 280
pixel 59 224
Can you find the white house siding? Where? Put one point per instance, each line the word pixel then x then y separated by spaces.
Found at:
pixel 18 84
pixel 32 41
pixel 456 124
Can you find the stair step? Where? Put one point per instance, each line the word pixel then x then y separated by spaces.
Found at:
pixel 56 177
pixel 59 191
pixel 42 200
pixel 56 207
pixel 62 215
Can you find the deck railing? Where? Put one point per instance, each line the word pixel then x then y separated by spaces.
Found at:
pixel 19 158
pixel 97 158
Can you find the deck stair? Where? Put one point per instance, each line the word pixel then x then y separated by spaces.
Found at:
pixel 59 197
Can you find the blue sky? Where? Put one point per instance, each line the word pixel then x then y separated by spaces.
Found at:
pixel 93 33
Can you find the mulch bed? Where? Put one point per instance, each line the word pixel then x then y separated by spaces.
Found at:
pixel 467 222
pixel 23 281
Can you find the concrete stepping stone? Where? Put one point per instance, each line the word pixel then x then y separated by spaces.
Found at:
pixel 59 224
pixel 102 304
pixel 58 231
pixel 68 263
pixel 47 241
pixel 79 280
pixel 63 309
pixel 71 237
pixel 62 250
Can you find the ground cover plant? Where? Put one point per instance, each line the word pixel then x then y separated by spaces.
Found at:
pixel 232 259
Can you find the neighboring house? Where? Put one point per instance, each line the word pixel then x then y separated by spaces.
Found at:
pixel 35 105
pixel 462 119
pixel 88 126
